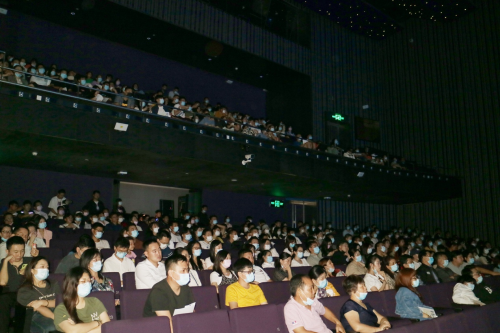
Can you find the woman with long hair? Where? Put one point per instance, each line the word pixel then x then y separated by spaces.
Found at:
pixel 215 247
pixel 79 313
pixel 42 231
pixel 194 250
pixel 356 266
pixel 283 269
pixel 376 279
pixel 92 261
pixel 330 269
pixel 222 273
pixel 290 243
pixel 265 259
pixel 39 293
pixel 298 259
pixel 390 267
pixel 408 299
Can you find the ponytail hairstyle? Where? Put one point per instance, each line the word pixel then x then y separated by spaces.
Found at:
pixel 70 291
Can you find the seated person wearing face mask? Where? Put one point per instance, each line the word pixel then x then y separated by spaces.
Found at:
pixel 443 272
pixel 260 275
pixel 151 270
pixel 303 311
pixel 408 299
pixel 486 293
pixel 119 262
pixel 97 231
pixel 163 238
pixel 244 293
pixel 172 293
pixel 463 291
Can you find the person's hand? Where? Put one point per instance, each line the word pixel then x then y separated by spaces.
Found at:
pixel 37 304
pixel 384 324
pixel 32 238
pixel 8 259
pixel 425 315
pixel 382 273
pixel 339 328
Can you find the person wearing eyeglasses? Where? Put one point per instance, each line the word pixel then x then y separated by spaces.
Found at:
pixel 244 293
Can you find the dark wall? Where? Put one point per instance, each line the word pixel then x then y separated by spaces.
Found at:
pixel 441 95
pixel 238 206
pixel 29 184
pixel 29 37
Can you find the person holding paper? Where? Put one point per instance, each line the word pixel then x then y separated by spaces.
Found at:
pixel 408 299
pixel 172 295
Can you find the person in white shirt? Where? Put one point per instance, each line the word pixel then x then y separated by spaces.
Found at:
pixel 266 258
pixel 97 231
pixel 29 250
pixel 152 270
pixel 174 235
pixel 375 279
pixel 222 273
pixel 298 259
pixel 207 239
pixel 260 275
pixel 119 262
pixel 463 291
pixel 38 209
pixel 215 247
pixel 348 230
pixel 69 222
pixel 186 238
pixel 56 202
pixel 265 244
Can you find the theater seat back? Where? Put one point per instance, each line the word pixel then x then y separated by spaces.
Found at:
pixel 132 303
pixel 152 324
pixel 201 322
pixel 108 299
pixel 206 298
pixel 256 319
pixel 129 281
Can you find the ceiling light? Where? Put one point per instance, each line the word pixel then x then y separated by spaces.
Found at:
pixel 234 180
pixel 122 172
pixel 35 153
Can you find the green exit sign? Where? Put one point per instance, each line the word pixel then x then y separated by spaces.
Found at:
pixel 338 117
pixel 276 203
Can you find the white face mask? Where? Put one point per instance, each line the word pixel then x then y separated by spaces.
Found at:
pixel 209 238
pixel 163 246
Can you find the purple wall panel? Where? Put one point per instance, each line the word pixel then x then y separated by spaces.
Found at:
pixel 239 205
pixel 29 37
pixel 28 184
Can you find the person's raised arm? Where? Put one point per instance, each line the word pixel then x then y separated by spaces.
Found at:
pixel 486 271
pixel 4 272
pixel 353 319
pixel 331 317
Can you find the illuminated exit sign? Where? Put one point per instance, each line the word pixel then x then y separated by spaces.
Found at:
pixel 276 203
pixel 338 117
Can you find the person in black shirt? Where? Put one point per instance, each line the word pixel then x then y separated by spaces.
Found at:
pixel 94 206
pixel 483 291
pixel 204 219
pixel 11 277
pixel 172 293
pixel 426 273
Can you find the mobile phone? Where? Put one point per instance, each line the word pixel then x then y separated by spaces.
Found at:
pixel 23 266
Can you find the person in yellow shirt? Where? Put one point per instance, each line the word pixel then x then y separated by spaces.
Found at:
pixel 244 293
pixel 322 286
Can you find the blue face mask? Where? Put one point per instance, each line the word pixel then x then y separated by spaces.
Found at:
pixel 415 283
pixel 106 87
pixel 292 245
pixel 42 70
pixel 300 255
pixel 323 284
pixel 446 263
pixel 82 82
pixel 394 267
pixel 4 239
pixel 250 278
pixel 99 79
pixel 215 221
pixel 331 270
pixel 19 74
pixel 84 289
pixel 431 260
pixel 471 286
pixel 162 101
pixel 33 71
pixel 121 255
pixel 199 233
pixel 42 274
pixel 471 260
pixel 97 266
pixel 480 280
pixel 333 240
pixel 53 73
pixel 412 265
pixel 256 245
pixel 98 234
pixel 63 76
pixel 269 259
pixel 358 258
pixel 189 237
pixel 135 233
pixel 42 225
pixel 176 229
pixel 102 218
pixel 183 280
pixel 183 103
pixel 349 241
pixel 362 296
pixel 197 252
pixel 316 250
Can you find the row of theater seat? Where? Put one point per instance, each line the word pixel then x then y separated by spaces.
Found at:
pixel 270 318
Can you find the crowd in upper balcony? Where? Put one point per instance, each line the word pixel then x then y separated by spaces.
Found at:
pixel 171 103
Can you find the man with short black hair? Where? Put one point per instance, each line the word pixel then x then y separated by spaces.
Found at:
pixel 303 311
pixel 260 275
pixel 73 258
pixel 94 206
pixel 426 273
pixel 443 272
pixel 174 234
pixel 172 293
pixel 12 269
pixel 57 201
pixel 244 293
pixel 163 239
pixel 203 216
pixel 132 232
pixel 114 224
pixel 314 253
pixel 119 262
pixel 97 232
pixel 150 271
